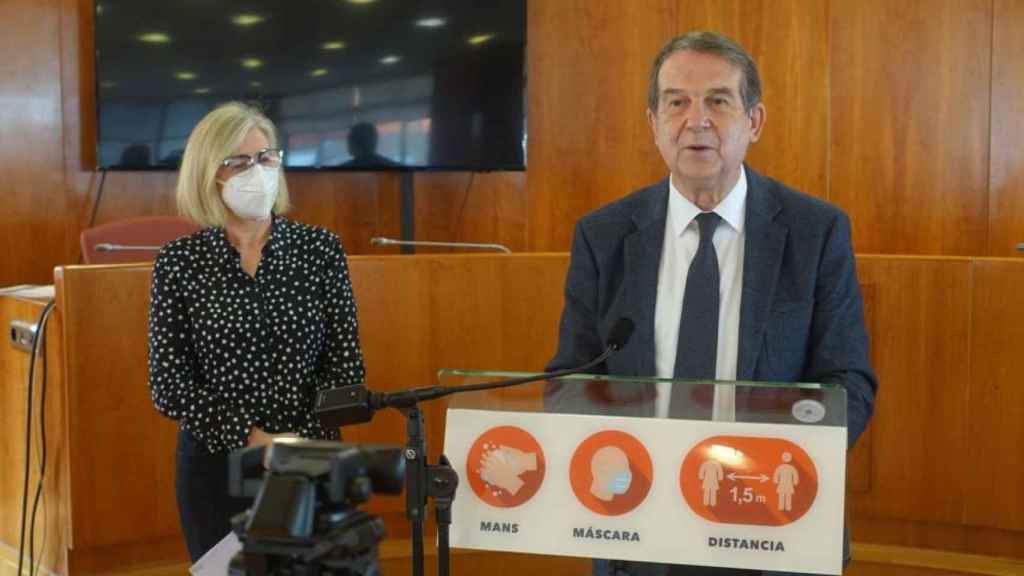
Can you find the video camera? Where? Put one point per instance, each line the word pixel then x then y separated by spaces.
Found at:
pixel 304 519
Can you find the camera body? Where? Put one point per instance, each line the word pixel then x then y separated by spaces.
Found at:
pixel 304 519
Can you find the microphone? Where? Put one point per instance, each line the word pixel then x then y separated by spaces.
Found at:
pixel 108 247
pixel 379 241
pixel 356 404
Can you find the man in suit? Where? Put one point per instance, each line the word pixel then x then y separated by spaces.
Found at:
pixel 726 274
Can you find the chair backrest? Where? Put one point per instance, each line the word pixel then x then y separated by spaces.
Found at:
pixel 134 240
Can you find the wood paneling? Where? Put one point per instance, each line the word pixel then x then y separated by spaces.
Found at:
pixel 105 321
pixel 919 346
pixel 488 207
pixel 36 219
pixel 51 520
pixel 789 41
pixel 1006 178
pixel 910 115
pixel 996 400
pixel 589 142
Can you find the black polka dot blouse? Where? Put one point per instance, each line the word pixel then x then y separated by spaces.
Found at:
pixel 228 351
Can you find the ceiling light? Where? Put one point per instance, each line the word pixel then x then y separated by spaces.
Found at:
pixel 185 75
pixel 318 72
pixel 431 22
pixel 108 84
pixel 390 59
pixel 154 38
pixel 201 91
pixel 333 45
pixel 479 39
pixel 255 83
pixel 361 2
pixel 246 19
pixel 251 63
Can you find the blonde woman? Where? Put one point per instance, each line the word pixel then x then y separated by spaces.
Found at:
pixel 249 317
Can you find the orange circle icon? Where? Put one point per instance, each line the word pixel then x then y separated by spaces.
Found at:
pixel 748 480
pixel 505 466
pixel 611 473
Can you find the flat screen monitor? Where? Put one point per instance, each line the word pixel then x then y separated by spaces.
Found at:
pixel 350 84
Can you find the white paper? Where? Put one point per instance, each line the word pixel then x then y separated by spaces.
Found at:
pixel 216 561
pixel 28 291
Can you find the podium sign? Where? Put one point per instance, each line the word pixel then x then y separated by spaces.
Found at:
pixel 583 467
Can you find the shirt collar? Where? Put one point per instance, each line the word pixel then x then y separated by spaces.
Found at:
pixel 732 208
pixel 277 243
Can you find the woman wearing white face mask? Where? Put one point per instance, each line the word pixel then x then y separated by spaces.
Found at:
pixel 249 317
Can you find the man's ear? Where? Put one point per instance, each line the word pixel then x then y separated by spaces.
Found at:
pixel 757 118
pixel 652 121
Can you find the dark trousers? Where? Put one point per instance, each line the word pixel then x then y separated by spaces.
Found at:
pixel 204 506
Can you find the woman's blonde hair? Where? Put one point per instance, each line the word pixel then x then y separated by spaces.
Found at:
pixel 217 136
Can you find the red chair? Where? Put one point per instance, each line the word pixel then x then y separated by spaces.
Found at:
pixel 135 240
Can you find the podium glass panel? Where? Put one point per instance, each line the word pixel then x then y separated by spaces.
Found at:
pixel 755 402
pixel 729 474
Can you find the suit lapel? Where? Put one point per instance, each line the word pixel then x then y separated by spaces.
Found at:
pixel 762 260
pixel 643 258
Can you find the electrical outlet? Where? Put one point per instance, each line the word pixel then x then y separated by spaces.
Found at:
pixel 23 335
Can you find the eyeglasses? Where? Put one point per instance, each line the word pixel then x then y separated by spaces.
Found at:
pixel 267 157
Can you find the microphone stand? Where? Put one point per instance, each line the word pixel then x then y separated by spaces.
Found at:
pixel 354 404
pixel 423 481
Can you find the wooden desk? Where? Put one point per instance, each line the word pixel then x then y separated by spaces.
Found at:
pixel 946 339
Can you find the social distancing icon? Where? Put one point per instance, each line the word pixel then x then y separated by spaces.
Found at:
pixel 748 480
pixel 611 472
pixel 505 466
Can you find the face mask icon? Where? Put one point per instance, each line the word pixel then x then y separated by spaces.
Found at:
pixel 610 469
pixel 619 484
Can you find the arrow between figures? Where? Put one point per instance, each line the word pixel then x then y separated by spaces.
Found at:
pixel 733 476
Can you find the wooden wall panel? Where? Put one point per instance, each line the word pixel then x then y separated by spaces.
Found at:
pixel 996 400
pixel 589 142
pixel 487 207
pixel 910 115
pixel 36 217
pixel 1006 177
pixel 919 347
pixel 789 41
pixel 50 533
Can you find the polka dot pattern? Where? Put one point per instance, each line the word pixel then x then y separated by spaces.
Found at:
pixel 229 351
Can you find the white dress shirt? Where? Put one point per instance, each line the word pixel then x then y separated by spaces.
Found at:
pixel 682 237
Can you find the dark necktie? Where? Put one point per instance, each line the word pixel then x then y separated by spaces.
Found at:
pixel 698 324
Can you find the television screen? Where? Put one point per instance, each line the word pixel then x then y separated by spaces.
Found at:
pixel 350 84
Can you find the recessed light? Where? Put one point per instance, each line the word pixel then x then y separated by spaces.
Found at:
pixel 479 39
pixel 255 83
pixel 333 45
pixel 246 19
pixel 318 72
pixel 185 75
pixel 201 91
pixel 361 2
pixel 390 59
pixel 154 38
pixel 251 63
pixel 431 22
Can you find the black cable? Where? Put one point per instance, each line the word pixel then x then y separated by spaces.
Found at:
pixel 28 436
pixel 41 338
pixel 465 200
pixel 95 208
pixel 99 197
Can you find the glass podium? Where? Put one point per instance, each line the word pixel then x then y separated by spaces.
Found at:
pixel 729 474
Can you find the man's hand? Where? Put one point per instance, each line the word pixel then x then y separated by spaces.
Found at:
pixel 258 437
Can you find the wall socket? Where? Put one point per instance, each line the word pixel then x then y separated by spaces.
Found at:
pixel 23 335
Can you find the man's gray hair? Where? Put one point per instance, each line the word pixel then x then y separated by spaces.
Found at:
pixel 713 44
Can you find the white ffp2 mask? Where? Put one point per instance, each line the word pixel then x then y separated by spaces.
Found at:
pixel 251 194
